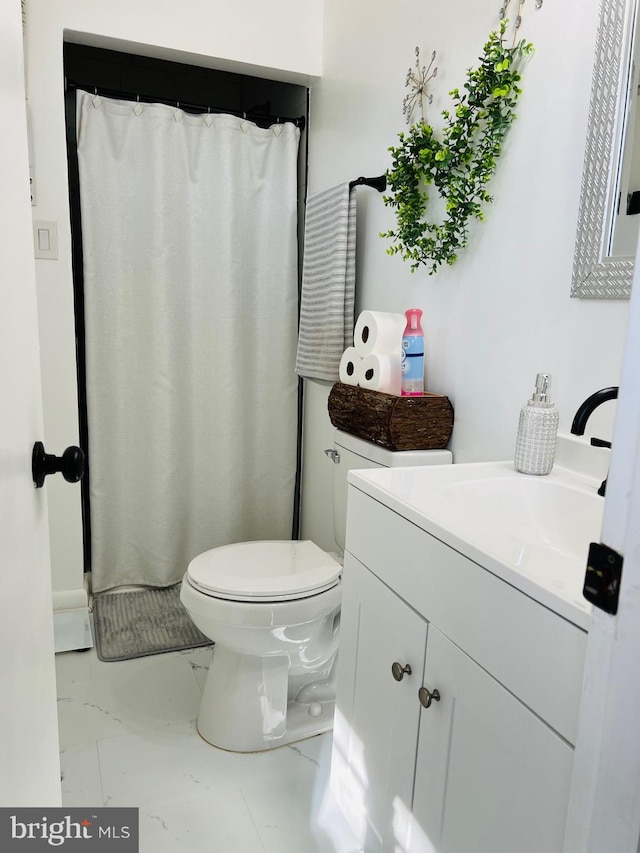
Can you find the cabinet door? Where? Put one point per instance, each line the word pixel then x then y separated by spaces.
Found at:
pixel 377 717
pixel 491 777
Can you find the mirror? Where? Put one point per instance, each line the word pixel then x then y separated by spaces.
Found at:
pixel 607 233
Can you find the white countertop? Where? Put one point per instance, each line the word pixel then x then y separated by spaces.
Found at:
pixel 533 532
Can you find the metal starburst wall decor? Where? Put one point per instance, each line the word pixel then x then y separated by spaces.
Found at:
pixel 417 79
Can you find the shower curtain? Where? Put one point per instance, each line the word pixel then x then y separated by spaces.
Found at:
pixel 190 288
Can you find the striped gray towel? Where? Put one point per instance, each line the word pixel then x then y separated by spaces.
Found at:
pixel 328 283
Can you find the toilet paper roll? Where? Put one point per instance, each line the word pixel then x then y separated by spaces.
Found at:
pixel 377 331
pixel 381 372
pixel 349 370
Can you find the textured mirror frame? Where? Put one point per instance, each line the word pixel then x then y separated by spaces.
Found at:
pixel 595 275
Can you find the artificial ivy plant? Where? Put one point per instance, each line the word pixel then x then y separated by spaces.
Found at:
pixel 459 164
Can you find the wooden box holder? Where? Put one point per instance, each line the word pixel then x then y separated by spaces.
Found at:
pixel 397 423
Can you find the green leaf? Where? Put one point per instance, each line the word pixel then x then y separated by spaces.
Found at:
pixel 460 165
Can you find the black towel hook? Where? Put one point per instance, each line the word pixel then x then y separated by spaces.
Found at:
pixel 379 183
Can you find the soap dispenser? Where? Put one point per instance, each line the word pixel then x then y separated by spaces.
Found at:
pixel 537 431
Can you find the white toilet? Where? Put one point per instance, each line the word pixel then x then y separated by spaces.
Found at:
pixel 273 610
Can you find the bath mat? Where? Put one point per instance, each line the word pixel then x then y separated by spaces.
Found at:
pixel 135 624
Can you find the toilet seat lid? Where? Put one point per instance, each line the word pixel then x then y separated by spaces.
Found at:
pixel 264 570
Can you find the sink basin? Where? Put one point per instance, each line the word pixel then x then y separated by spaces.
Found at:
pixel 532 531
pixel 533 513
pixel 529 513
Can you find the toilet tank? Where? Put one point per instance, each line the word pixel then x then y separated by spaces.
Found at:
pixel 351 453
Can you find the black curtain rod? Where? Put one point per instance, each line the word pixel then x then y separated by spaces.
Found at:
pixel 257 118
pixel 379 183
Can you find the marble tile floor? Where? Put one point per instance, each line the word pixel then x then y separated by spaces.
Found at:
pixel 128 738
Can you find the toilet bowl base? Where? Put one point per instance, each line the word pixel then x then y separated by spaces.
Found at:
pixel 246 707
pixel 301 725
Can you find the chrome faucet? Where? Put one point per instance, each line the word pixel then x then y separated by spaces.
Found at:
pixel 583 414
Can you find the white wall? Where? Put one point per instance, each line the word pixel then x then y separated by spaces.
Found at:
pixel 503 312
pixel 279 40
pixel 492 321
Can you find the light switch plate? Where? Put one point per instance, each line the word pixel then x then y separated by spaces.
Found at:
pixel 45 239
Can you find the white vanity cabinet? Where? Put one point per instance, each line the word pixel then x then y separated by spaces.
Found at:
pixel 490 775
pixel 487 767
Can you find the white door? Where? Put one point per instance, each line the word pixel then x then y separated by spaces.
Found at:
pixel 29 769
pixel 604 812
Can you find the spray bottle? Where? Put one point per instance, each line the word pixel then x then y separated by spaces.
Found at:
pixel 413 355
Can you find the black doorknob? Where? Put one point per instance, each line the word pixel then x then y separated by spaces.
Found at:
pixel 71 464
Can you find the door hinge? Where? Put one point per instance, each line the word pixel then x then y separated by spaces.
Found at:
pixel 602 579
